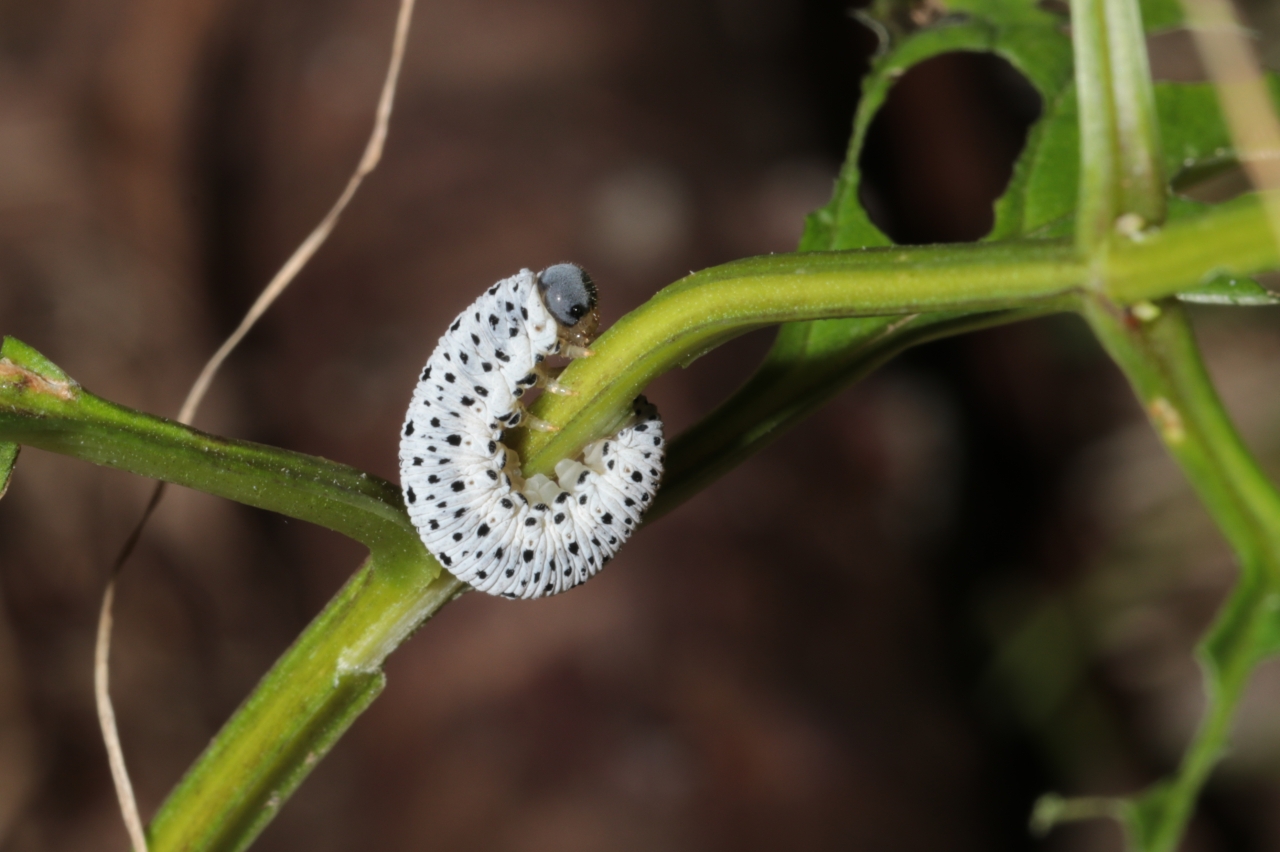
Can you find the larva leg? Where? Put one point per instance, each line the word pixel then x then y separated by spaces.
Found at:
pixel 537 424
pixel 574 351
pixel 547 379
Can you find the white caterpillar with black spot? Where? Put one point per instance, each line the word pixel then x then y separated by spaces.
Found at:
pixel 491 528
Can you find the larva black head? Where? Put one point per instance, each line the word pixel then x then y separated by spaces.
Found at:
pixel 568 292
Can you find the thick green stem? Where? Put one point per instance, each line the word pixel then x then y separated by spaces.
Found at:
pixel 709 307
pixel 1161 361
pixel 300 709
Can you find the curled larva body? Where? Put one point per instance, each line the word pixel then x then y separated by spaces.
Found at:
pixel 462 486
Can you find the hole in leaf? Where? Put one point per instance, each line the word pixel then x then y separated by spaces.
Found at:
pixel 942 148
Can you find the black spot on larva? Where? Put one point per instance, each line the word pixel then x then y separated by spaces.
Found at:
pixel 610 464
pixel 483 391
pixel 591 559
pixel 492 474
pixel 408 428
pixel 559 518
pixel 435 421
pixel 652 472
pixel 433 479
pixel 448 357
pixel 417 462
pixel 606 518
pixel 548 587
pixel 518 392
pixel 524 312
pixel 454 414
pixel 450 378
pixel 627 521
pixel 540 507
pixel 648 455
pixel 582 477
pixel 482 574
pixel 510 572
pixel 514 331
pixel 531 379
pixel 528 522
pixel 562 496
pixel 537 359
pixel 644 498
pixel 460 512
pixel 454 440
pixel 501 356
pixel 582 501
pixel 483 530
pixel 475 338
pixel 442 505
pixel 455 325
pixel 446 560
pixel 507 504
pixel 637 476
pixel 413 498
pixel 568 571
pixel 457 536
pixel 573 548
pixel 497 554
pixel 458 485
pixel 467 401
pixel 493 320
pixel 493 446
pixel 462 356
pixel 486 366
pixel 426 373
pixel 629 501
pixel 493 289
pixel 435 525
pixel 613 539
pixel 477 316
pixel 527 556
pixel 595 542
pixel 510 307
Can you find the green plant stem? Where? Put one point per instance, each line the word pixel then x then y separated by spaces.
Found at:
pixel 1141 184
pixel 1097 204
pixel 333 671
pixel 43 407
pixel 1162 362
pixel 709 307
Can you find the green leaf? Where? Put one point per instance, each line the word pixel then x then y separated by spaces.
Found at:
pixel 8 460
pixel 1158 15
pixel 811 362
pixel 1231 290
pixel 1042 196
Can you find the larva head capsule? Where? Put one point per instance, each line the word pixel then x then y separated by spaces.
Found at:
pixel 570 296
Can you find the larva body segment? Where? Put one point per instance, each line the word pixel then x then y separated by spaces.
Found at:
pixel 462 486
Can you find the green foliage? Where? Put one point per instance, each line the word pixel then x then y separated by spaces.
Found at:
pixel 8 460
pixel 847 302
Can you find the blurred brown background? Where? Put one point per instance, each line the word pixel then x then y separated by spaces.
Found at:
pixel 969 580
